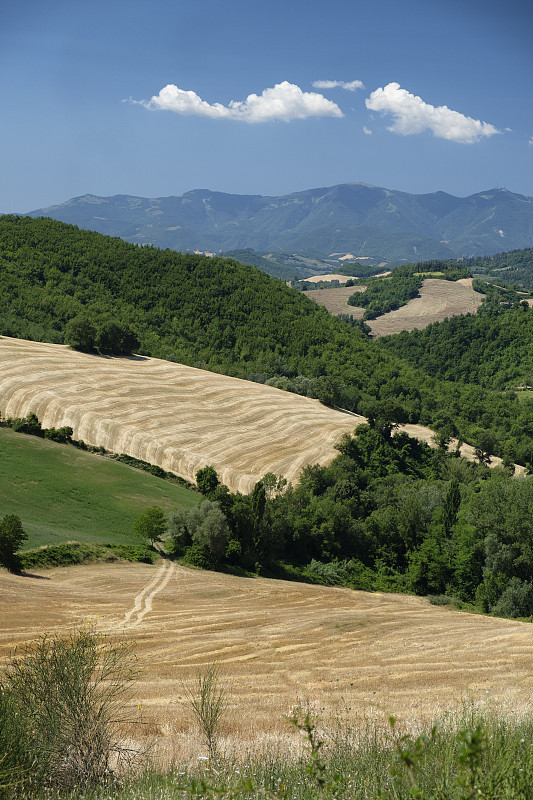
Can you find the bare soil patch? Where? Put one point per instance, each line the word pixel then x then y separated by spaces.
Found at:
pixel 276 643
pixel 332 276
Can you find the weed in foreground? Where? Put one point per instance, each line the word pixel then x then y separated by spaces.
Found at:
pixel 62 702
pixel 207 699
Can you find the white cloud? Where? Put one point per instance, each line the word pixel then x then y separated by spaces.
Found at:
pixel 284 101
pixel 367 131
pixel 531 141
pixel 350 85
pixel 412 115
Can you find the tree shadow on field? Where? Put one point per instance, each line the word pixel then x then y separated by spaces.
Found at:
pixel 36 577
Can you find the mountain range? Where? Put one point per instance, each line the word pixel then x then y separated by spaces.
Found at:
pixel 328 224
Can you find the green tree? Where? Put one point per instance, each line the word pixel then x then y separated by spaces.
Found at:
pixel 207 480
pixel 80 334
pixel 12 535
pixel 151 525
pixel 114 337
pixel 203 529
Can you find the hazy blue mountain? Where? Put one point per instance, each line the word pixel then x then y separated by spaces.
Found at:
pixel 324 223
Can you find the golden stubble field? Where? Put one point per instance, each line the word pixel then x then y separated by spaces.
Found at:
pixel 277 644
pixel 176 417
pixel 438 300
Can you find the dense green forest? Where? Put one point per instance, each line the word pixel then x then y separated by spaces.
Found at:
pixel 389 514
pixel 221 315
pixel 493 349
pixel 514 268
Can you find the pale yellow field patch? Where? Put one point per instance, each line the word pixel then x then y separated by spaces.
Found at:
pixel 276 644
pixel 176 417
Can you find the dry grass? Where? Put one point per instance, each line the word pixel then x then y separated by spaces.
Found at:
pixel 438 299
pixel 276 643
pixel 336 300
pixel 177 417
pixel 331 276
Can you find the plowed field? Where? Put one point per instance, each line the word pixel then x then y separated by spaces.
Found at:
pixel 276 643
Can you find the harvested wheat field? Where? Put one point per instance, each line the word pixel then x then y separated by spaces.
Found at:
pixel 331 276
pixel 177 417
pixel 276 644
pixel 438 300
pixel 336 300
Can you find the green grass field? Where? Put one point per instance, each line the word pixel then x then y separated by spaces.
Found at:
pixel 63 494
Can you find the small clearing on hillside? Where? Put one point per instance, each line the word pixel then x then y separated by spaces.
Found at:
pixel 332 276
pixel 438 300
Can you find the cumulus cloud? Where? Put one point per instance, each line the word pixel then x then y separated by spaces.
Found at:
pixel 350 85
pixel 367 131
pixel 531 141
pixel 284 101
pixel 412 115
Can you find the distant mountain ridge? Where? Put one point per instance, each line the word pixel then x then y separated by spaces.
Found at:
pixel 326 223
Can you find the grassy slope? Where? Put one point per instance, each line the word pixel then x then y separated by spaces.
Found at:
pixel 63 494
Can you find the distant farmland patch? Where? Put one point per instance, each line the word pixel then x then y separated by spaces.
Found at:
pixel 438 300
pixel 335 300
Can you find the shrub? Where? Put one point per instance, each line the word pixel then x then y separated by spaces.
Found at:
pixel 12 535
pixel 70 694
pixel 208 702
pixel 516 600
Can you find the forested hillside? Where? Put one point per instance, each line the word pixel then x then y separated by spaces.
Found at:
pixel 389 514
pixel 230 318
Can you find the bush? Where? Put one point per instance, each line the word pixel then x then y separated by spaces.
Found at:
pixel 70 694
pixel 12 535
pixel 516 600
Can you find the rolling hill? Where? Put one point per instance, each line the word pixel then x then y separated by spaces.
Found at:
pixel 359 655
pixel 354 218
pixel 217 314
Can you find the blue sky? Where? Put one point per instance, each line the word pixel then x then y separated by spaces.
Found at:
pixel 157 98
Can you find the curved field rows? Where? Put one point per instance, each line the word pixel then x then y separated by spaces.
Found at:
pixel 438 299
pixel 177 417
pixel 336 300
pixel 277 643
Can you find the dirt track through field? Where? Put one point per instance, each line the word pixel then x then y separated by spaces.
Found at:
pixel 277 643
pixel 142 604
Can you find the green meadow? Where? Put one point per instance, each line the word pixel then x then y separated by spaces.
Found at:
pixel 63 494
